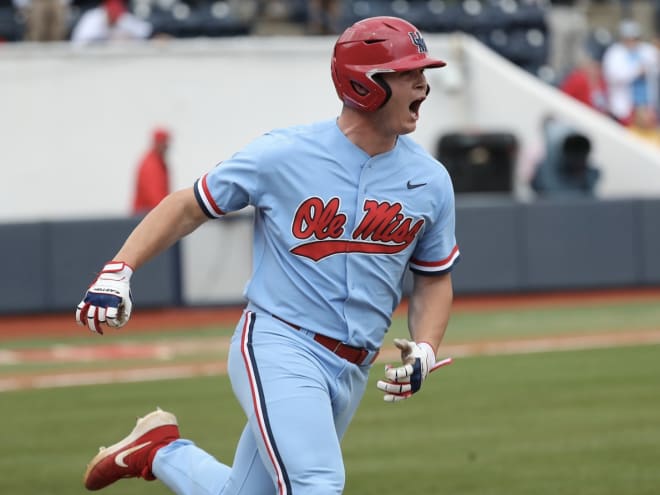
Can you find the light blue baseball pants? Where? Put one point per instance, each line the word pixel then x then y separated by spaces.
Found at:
pixel 299 399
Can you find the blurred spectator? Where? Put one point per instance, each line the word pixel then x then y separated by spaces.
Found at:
pixel 110 21
pixel 566 169
pixel 630 67
pixel 152 182
pixel 645 125
pixel 586 83
pixel 323 16
pixel 626 8
pixel 568 26
pixel 45 20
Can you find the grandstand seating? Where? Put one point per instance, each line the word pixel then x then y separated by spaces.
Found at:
pixel 517 29
pixel 181 18
pixel 189 19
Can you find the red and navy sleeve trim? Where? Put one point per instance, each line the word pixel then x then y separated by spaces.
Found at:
pixel 436 267
pixel 205 199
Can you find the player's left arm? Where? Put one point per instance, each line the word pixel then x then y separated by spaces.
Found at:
pixel 429 309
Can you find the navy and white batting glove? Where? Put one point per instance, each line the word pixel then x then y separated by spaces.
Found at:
pixel 108 299
pixel 418 361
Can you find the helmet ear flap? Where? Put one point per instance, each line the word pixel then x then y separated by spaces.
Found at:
pixel 359 88
pixel 371 94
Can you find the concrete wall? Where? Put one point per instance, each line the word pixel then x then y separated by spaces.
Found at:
pixel 500 96
pixel 75 120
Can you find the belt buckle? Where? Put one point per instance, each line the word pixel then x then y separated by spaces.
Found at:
pixel 363 355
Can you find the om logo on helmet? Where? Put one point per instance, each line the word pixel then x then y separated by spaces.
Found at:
pixel 418 41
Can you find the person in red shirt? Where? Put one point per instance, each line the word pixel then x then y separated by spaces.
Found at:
pixel 152 180
pixel 585 83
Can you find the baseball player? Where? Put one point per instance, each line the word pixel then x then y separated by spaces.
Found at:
pixel 343 208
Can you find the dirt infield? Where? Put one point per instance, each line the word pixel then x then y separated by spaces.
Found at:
pixel 206 351
pixel 63 325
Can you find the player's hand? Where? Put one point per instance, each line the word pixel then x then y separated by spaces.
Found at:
pixel 108 299
pixel 418 361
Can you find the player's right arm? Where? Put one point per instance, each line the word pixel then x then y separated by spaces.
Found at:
pixel 108 299
pixel 173 218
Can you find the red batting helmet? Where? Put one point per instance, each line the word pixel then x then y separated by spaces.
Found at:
pixel 372 46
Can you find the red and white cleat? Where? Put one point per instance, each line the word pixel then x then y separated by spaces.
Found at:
pixel 132 456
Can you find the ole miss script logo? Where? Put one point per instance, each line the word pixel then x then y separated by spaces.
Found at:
pixel 383 229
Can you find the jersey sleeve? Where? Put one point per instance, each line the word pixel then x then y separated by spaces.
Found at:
pixel 231 185
pixel 437 251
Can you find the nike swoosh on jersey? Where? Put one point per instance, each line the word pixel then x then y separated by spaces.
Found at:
pixel 119 460
pixel 410 185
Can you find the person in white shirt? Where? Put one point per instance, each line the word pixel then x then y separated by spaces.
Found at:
pixel 110 21
pixel 630 68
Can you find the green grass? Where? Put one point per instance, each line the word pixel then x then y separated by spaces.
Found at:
pixel 557 423
pixel 573 423
pixel 556 320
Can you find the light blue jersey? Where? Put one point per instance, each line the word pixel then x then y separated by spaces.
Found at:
pixel 335 231
pixel 335 228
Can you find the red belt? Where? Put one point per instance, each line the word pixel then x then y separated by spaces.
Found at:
pixel 355 355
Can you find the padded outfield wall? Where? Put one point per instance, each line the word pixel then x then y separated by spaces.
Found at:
pixel 506 246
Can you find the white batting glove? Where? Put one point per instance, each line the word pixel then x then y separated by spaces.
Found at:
pixel 108 299
pixel 418 361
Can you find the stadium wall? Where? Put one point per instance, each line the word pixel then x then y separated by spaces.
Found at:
pixel 75 120
pixel 506 247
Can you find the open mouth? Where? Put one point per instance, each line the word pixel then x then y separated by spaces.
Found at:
pixel 414 108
